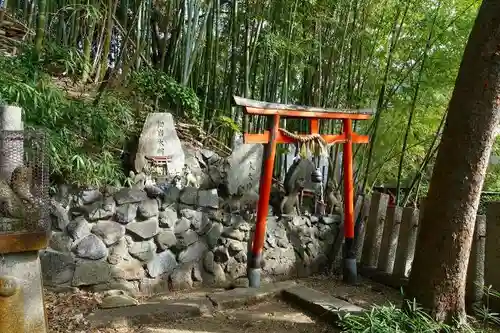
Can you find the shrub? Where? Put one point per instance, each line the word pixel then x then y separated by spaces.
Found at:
pixel 160 91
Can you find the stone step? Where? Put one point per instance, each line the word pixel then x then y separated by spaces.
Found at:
pixel 247 296
pixel 162 310
pixel 324 306
pixel 149 313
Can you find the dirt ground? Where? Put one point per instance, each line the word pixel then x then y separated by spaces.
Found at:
pixel 67 312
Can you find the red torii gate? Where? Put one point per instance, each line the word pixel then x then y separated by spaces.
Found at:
pixel 277 135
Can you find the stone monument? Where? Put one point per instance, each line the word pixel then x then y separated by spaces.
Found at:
pixel 244 167
pixel 159 138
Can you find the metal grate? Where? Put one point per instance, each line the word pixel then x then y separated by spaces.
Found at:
pixel 24 182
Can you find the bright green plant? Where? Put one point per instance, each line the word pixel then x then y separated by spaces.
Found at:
pixel 159 90
pixel 389 318
pixel 483 311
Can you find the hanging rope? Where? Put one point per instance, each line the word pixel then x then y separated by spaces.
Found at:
pixel 317 144
pixel 304 138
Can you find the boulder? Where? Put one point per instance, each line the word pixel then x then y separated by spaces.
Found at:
pixel 167 218
pixel 162 263
pixel 213 235
pixel 144 251
pixel 118 252
pixel 145 229
pixel 57 268
pixel 194 252
pixel 89 272
pixel 126 213
pixel 60 241
pixel 166 239
pixel 78 228
pixel 110 232
pixel 90 247
pixel 189 196
pixel 130 195
pixel 208 198
pixel 148 208
pixel 118 300
pixel 182 225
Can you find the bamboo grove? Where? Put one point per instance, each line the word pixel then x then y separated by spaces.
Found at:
pixel 398 56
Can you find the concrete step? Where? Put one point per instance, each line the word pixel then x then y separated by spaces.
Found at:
pixel 247 296
pixel 161 310
pixel 319 304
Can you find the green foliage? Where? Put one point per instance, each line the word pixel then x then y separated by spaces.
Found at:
pixel 483 312
pixel 85 141
pixel 413 319
pixel 383 319
pixel 159 89
pixel 228 124
pixel 410 319
pixel 58 59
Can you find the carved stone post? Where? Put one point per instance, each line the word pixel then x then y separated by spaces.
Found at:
pixel 407 241
pixel 475 269
pixel 364 210
pixel 390 239
pixel 374 229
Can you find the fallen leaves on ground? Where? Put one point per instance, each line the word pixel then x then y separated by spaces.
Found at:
pixel 67 312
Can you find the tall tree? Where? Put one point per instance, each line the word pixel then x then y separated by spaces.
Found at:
pixel 439 269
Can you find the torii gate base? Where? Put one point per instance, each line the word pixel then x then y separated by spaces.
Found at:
pixel 274 136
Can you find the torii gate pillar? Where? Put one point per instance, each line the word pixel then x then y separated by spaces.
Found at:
pixel 275 135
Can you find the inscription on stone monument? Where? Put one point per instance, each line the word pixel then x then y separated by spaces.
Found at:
pixel 160 131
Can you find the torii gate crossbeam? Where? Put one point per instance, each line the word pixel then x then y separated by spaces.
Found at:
pixel 275 135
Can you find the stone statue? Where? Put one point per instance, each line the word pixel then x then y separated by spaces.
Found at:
pixel 333 198
pixel 142 179
pixel 177 181
pixel 290 204
pixel 189 178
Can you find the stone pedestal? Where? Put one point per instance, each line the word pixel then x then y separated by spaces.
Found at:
pixel 21 294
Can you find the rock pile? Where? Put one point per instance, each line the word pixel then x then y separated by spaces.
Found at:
pixel 146 241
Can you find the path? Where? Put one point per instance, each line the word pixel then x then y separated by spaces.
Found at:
pixel 73 312
pixel 271 316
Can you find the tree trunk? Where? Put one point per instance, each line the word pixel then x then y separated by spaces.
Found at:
pixel 439 269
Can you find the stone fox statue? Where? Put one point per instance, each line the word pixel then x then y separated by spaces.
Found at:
pixel 333 198
pixel 290 204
